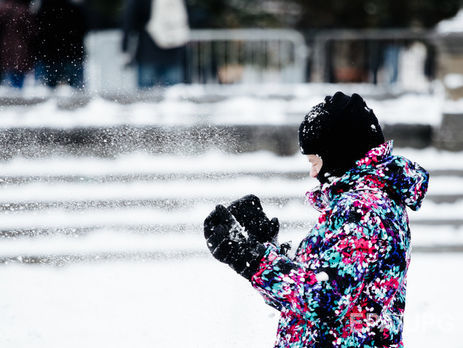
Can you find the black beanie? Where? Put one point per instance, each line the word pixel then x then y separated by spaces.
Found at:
pixel 341 130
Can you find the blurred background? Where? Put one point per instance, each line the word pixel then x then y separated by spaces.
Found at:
pixel 124 122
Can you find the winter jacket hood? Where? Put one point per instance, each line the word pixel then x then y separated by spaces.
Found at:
pixel 401 179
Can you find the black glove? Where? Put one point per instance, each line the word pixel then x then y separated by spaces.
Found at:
pixel 228 244
pixel 249 213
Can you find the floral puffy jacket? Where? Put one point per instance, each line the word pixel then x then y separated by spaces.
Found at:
pixel 346 285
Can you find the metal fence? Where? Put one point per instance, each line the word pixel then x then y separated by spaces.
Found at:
pixel 246 56
pixel 212 56
pixel 388 57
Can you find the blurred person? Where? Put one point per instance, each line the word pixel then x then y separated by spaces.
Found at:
pixel 346 285
pixel 384 62
pixel 155 34
pixel 60 44
pixel 391 62
pixel 17 30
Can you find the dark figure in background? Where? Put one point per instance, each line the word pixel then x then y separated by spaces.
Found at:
pixel 383 61
pixel 60 44
pixel 156 65
pixel 17 29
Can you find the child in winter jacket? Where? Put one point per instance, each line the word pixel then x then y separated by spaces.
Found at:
pixel 346 285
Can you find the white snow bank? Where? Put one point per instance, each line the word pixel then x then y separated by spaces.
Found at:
pixel 272 90
pixel 237 108
pixel 210 162
pixel 102 241
pixel 433 159
pixel 142 163
pixel 183 189
pixel 194 216
pixel 176 189
pixel 413 108
pixel 106 240
pixel 57 218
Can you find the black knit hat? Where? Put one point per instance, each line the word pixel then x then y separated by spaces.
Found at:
pixel 341 130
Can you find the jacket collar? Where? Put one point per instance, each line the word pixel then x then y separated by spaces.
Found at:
pixel 322 197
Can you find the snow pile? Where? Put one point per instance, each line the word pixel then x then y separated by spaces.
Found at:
pixel 142 163
pixel 259 162
pixel 195 107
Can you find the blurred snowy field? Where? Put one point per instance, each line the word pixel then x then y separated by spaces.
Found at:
pixel 191 303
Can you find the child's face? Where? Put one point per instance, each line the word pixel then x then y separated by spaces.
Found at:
pixel 316 165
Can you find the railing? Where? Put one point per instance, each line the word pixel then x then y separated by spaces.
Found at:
pixel 213 56
pixel 246 55
pixel 402 56
pixel 386 57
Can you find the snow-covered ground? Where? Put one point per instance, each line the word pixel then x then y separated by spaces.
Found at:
pixel 136 203
pixel 186 105
pixel 211 162
pixel 191 303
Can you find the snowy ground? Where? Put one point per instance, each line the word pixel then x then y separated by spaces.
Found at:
pixel 186 105
pixel 142 203
pixel 191 303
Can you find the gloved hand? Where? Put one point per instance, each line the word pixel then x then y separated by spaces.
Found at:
pixel 249 213
pixel 228 243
